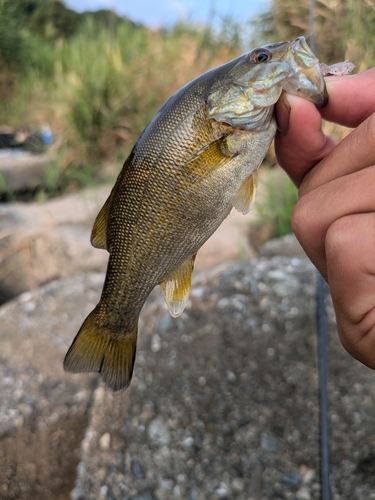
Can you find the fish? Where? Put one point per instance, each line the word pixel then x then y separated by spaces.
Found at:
pixel 195 161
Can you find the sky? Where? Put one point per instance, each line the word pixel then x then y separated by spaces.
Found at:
pixel 156 13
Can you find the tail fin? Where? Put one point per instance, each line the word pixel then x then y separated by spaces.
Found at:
pixel 97 350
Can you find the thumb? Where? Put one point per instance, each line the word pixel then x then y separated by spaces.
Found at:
pixel 300 142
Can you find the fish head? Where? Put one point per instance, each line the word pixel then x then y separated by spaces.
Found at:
pixel 245 97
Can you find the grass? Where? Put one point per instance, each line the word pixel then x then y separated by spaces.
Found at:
pixel 274 205
pixel 99 88
pixel 343 28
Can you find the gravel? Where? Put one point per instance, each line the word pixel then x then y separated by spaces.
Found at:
pixel 223 402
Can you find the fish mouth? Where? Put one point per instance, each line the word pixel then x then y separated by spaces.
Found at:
pixel 317 89
pixel 314 88
pixel 311 82
pixel 322 100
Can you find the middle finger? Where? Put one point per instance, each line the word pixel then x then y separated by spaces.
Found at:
pixel 317 210
pixel 355 152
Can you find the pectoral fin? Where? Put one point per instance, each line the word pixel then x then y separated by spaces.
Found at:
pixel 176 287
pixel 215 155
pixel 99 231
pixel 244 199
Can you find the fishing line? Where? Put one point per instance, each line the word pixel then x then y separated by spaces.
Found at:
pixel 322 290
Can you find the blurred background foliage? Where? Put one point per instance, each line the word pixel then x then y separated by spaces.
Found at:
pixel 343 28
pixel 98 79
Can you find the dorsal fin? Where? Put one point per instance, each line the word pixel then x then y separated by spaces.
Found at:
pixel 99 231
pixel 244 199
pixel 176 287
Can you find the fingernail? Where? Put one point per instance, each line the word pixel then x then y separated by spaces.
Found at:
pixel 282 115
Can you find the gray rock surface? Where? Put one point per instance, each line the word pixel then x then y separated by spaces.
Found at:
pixel 229 243
pixel 286 246
pixel 23 170
pixel 223 403
pixel 44 242
pixel 43 411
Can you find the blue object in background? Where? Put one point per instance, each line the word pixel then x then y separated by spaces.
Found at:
pixel 46 134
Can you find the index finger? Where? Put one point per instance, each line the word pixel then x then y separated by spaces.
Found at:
pixel 351 98
pixel 300 143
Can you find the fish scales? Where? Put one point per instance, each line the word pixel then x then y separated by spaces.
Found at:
pixel 193 163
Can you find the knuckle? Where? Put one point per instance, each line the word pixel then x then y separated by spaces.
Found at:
pixel 302 217
pixel 340 237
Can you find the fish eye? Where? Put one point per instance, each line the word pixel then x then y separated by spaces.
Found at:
pixel 260 56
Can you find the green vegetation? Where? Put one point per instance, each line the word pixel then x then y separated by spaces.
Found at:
pixel 274 205
pixel 344 28
pixel 98 79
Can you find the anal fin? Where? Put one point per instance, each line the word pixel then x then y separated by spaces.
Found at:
pixel 176 287
pixel 244 199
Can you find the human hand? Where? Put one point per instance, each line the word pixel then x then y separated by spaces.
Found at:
pixel 334 219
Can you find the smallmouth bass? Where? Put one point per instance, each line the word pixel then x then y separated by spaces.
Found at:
pixel 194 162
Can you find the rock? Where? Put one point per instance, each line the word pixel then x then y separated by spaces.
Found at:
pixel 41 243
pixel 43 410
pixel 158 432
pixel 105 441
pixel 286 246
pixel 268 443
pixel 238 484
pixel 238 364
pixel 145 495
pixel 139 474
pixel 303 494
pixel 222 491
pixel 292 479
pixel 229 243
pixel 23 171
pixel 188 442
pixel 236 437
